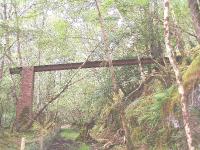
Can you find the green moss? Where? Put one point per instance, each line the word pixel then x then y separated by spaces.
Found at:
pixel 84 147
pixel 69 134
pixel 194 51
pixel 8 140
pixel 194 67
pixel 149 106
pixel 137 135
pixel 192 74
pixel 146 117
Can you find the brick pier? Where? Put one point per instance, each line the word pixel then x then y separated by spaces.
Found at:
pixel 24 103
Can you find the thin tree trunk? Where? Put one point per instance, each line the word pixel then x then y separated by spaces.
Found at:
pixel 195 13
pixel 23 143
pixel 142 74
pixel 18 34
pixel 5 19
pixel 1 114
pixel 2 67
pixel 129 144
pixel 39 103
pixel 178 35
pixel 181 89
pixel 107 48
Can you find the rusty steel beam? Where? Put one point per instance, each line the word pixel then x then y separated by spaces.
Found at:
pixel 88 64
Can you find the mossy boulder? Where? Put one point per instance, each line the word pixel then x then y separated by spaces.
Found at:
pixel 191 80
pixel 156 119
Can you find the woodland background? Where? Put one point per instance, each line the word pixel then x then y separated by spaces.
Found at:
pixel 41 32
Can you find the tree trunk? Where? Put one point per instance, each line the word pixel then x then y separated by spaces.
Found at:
pixel 107 48
pixel 195 13
pixel 178 36
pixel 6 34
pixel 2 68
pixel 181 89
pixel 18 35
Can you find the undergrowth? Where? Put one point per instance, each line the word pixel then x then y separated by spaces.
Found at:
pixel 156 120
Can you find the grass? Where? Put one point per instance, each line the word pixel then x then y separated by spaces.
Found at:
pixel 84 147
pixel 69 134
pixel 11 141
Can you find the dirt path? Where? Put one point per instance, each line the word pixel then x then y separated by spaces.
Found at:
pixel 66 140
pixel 64 144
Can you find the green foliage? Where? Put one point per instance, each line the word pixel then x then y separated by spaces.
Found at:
pixel 180 7
pixel 7 108
pixel 84 147
pixel 62 31
pixel 192 73
pixel 31 15
pixel 60 27
pixel 107 4
pixel 146 118
pixel 90 16
pixel 193 69
pixel 69 134
pixel 141 2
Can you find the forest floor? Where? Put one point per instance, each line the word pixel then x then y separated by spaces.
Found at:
pixel 66 140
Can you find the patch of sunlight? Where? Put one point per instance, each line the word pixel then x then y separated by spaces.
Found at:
pixel 69 134
pixel 84 147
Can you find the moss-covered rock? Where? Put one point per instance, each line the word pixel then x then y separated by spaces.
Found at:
pixel 192 74
pixel 156 120
pixel 147 118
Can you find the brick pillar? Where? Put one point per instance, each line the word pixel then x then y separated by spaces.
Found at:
pixel 24 103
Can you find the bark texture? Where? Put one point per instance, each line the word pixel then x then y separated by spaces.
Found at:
pixel 181 89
